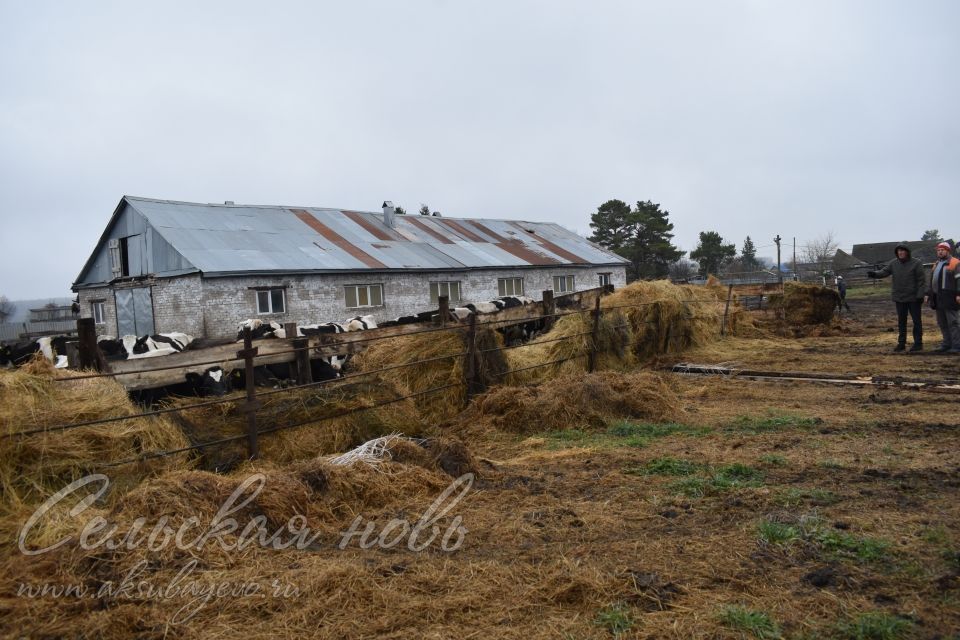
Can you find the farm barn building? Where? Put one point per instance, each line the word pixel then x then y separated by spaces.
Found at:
pixel 164 266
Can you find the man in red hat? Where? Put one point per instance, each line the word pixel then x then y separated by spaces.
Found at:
pixel 943 294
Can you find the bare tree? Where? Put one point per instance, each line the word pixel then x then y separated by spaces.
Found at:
pixel 682 269
pixel 820 251
pixel 6 308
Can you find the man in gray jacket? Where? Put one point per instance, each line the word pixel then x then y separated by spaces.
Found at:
pixel 909 287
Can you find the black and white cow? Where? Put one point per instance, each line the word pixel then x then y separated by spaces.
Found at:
pixel 152 346
pixel 260 329
pixel 493 306
pixel 308 330
pixel 425 316
pixel 360 323
pixel 212 382
pixel 53 348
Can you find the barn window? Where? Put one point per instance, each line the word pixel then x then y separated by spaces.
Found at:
pixel 562 284
pixel 449 289
pixel 271 301
pixel 510 286
pixel 363 295
pixel 604 279
pixel 97 308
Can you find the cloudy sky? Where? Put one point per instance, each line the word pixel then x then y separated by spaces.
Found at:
pixel 740 116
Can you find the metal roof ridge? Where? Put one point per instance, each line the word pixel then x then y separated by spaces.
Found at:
pixel 309 207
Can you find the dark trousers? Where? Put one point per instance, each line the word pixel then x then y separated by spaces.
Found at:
pixel 914 309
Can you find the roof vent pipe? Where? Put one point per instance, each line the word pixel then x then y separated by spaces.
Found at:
pixel 388 213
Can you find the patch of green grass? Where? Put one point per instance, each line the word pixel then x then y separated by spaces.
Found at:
pixel 717 480
pixel 655 430
pixel 936 535
pixel 795 497
pixel 952 558
pixel 833 542
pixel 830 463
pixel 774 460
pixel 874 625
pixel 756 425
pixel 667 467
pixel 616 619
pixel 620 434
pixel 840 543
pixel 755 623
pixel 779 533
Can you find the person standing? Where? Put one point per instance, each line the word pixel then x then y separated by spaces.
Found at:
pixel 944 297
pixel 842 290
pixel 909 285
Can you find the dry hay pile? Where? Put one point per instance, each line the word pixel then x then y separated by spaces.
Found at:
pixel 569 355
pixel 445 349
pixel 639 322
pixel 669 318
pixel 335 414
pixel 36 466
pixel 326 496
pixel 572 401
pixel 805 304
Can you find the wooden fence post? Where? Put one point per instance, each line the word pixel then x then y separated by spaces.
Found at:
pixel 290 333
pixel 304 373
pixel 471 369
pixel 549 308
pixel 444 310
pixel 90 356
pixel 594 337
pixel 251 405
pixel 726 311
pixel 73 354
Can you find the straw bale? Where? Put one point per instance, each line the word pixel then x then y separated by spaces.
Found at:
pixel 573 401
pixel 34 467
pixel 805 304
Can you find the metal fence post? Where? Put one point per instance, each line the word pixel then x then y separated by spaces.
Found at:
pixel 251 405
pixel 594 337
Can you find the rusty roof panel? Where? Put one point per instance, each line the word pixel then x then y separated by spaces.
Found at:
pixel 236 238
pixel 423 226
pixel 377 229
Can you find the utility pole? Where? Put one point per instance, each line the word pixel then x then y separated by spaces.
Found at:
pixel 779 269
pixel 795 274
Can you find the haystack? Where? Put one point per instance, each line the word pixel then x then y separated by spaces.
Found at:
pixel 574 401
pixel 570 354
pixel 669 318
pixel 436 406
pixel 36 466
pixel 322 408
pixel 805 304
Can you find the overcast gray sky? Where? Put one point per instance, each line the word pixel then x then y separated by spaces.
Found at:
pixel 741 116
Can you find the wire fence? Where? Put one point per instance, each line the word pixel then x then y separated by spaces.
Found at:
pixel 475 374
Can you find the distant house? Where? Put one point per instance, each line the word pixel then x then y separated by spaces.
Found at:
pixel 882 252
pixel 164 266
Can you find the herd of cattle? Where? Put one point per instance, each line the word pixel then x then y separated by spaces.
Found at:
pixel 215 381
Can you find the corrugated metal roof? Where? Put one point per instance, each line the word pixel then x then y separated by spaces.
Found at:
pixel 237 238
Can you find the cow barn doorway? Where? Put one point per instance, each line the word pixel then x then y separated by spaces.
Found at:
pixel 134 312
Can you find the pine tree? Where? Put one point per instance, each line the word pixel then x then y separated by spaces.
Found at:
pixel 642 235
